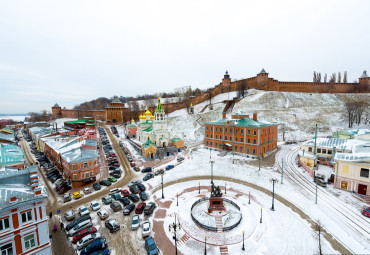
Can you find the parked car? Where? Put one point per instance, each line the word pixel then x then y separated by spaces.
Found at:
pixel 133 197
pixel 149 208
pixel 111 168
pixel 159 171
pixel 135 223
pixel 179 159
pixel 105 183
pixel 169 167
pixel 134 183
pixel 140 208
pixel 320 182
pixel 67 197
pixel 95 246
pixel 94 206
pixel 146 170
pixel 125 201
pixel 76 221
pixel 87 191
pixel 132 164
pixel 106 200
pixel 103 214
pixel 83 210
pixel 69 215
pixel 115 206
pixel 366 212
pixel 134 189
pixel 112 225
pixel 141 187
pixel 115 190
pixel 116 196
pixel 86 240
pixel 143 196
pixel 64 189
pixel 76 195
pixel 148 176
pixel 128 209
pixel 151 246
pixel 116 175
pixel 331 179
pixel 125 192
pixel 145 229
pixel 96 186
pixel 78 236
pixel 80 226
pixel 136 169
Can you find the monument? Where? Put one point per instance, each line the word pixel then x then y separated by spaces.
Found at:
pixel 216 202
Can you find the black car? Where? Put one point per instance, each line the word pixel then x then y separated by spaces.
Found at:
pixel 112 225
pixel 128 209
pixel 116 175
pixel 143 196
pixel 111 168
pixel 149 208
pixel 105 183
pixel 141 187
pixel 125 201
pixel 133 197
pixel 146 170
pixel 78 220
pixel 96 186
pixel 134 189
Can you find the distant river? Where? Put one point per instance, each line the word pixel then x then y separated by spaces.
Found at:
pixel 14 117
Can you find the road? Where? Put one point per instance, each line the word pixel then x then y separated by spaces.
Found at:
pixel 351 220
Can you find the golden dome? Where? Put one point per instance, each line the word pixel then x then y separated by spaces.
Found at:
pixel 141 117
pixel 132 121
pixel 148 112
pixel 191 104
pixel 152 117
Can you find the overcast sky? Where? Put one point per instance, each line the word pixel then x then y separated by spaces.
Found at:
pixel 74 51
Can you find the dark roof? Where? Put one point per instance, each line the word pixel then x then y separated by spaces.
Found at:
pixel 56 105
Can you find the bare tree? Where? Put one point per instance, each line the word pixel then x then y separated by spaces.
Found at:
pixel 345 77
pixel 325 78
pixel 314 76
pixel 242 87
pixel 339 80
pixel 355 109
pixel 209 95
pixel 319 228
pixel 184 94
pixel 318 77
pixel 333 78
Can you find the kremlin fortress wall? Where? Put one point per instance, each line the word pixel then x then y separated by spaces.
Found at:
pixel 117 113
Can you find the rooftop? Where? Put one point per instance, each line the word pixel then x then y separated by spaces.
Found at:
pixel 360 154
pixel 244 122
pixel 6 137
pixel 338 143
pixel 10 154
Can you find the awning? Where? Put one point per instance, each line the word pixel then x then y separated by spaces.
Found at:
pixel 227 144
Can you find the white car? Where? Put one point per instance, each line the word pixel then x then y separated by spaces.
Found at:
pixel 135 223
pixel 80 226
pixel 145 231
pixel 83 210
pixel 86 240
pixel 69 215
pixel 103 214
pixel 94 206
pixel 87 191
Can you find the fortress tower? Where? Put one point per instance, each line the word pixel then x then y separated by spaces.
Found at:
pixel 364 82
pixel 262 79
pixel 56 110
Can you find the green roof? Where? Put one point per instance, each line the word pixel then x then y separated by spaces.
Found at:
pixel 131 125
pixel 175 140
pixel 10 154
pixel 148 143
pixel 76 121
pixel 8 130
pixel 218 122
pixel 245 122
pixel 149 129
pixel 159 106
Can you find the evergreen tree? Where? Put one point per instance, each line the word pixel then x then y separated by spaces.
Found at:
pixel 345 77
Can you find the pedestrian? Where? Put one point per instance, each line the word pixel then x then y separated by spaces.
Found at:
pixel 50 215
pixel 62 226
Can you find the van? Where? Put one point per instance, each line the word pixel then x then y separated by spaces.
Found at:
pixel 80 226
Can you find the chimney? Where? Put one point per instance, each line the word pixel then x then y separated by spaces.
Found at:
pixel 224 115
pixel 13 200
pixel 37 191
pixel 254 116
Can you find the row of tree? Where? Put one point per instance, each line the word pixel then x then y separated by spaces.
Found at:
pixel 44 115
pixel 334 78
pixel 356 110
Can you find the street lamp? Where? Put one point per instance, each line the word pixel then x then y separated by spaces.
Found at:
pixel 212 162
pixel 162 186
pixel 273 180
pixel 205 245
pixel 210 150
pixel 177 202
pixel 249 200
pixel 243 242
pixel 225 187
pixel 174 226
pixel 199 188
pixel 261 216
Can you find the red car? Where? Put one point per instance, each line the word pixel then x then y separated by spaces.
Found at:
pixel 132 164
pixel 115 164
pixel 125 192
pixel 112 155
pixel 83 233
pixel 366 212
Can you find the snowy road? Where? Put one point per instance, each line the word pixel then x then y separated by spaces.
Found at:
pixel 342 219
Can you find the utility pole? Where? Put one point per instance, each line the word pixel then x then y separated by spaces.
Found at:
pixel 162 187
pixel 273 192
pixel 212 162
pixel 282 170
pixel 314 149
pixel 316 194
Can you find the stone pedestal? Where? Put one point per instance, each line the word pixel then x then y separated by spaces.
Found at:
pixel 216 204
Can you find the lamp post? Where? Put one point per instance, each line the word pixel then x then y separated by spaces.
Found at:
pixel 243 242
pixel 162 187
pixel 261 216
pixel 210 150
pixel 233 157
pixel 177 202
pixel 249 200
pixel 205 245
pixel 225 187
pixel 199 188
pixel 174 226
pixel 273 192
pixel 212 162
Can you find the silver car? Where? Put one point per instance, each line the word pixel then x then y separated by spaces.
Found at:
pixel 135 223
pixel 86 240
pixel 80 226
pixel 69 215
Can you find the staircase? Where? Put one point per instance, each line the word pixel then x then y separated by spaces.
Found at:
pixel 223 153
pixel 219 224
pixel 183 239
pixel 204 108
pixel 199 120
pixel 224 250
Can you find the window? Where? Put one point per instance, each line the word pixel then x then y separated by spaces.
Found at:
pixel 207 143
pixel 211 129
pixel 215 129
pixel 254 132
pixel 26 217
pixel 265 131
pixel 85 165
pixel 230 131
pixel 216 145
pixel 207 128
pixel 29 241
pixel 236 131
pixel 330 152
pixel 248 150
pixel 254 151
pixel 241 131
pixel 248 140
pixel 249 132
pixel 310 149
pixel 211 136
pixel 236 139
pixel 323 151
pixel 225 130
pixel 254 141
pixel 241 149
pixel 96 162
pixel 216 136
pixel 318 150
pixel 75 176
pixel 220 129
pixel 207 135
pixel 4 224
pixel 86 175
pixel 345 169
pixel 73 167
pixel 236 148
pixel 241 139
pixel 210 144
pixel 7 249
pixel 364 173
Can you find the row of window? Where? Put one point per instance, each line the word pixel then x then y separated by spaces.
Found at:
pixel 29 242
pixel 25 218
pixel 321 151
pixel 236 139
pixel 219 145
pixel 237 130
pixel 85 165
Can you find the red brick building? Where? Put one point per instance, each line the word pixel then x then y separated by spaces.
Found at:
pixel 242 135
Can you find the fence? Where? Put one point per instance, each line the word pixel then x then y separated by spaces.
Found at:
pixel 196 221
pixel 241 216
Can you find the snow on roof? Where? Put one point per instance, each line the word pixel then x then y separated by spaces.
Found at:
pixel 307 154
pixel 338 143
pixel 17 183
pixel 245 122
pixel 7 137
pixel 10 154
pixel 360 153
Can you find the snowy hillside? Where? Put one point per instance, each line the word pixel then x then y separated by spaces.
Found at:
pixel 297 113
